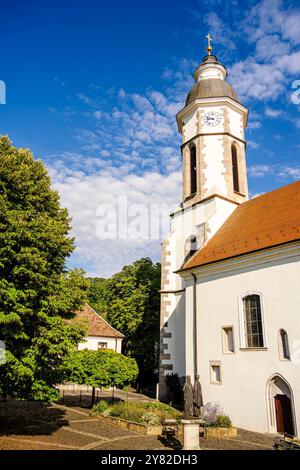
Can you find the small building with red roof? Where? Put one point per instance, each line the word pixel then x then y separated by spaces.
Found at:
pixel 100 334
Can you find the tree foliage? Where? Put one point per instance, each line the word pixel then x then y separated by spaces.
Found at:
pixel 133 305
pixel 37 294
pixel 98 294
pixel 100 369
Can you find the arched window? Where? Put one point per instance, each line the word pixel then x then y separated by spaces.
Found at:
pixel 253 327
pixel 193 168
pixel 235 169
pixel 284 349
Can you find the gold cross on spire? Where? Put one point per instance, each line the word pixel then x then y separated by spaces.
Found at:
pixel 209 41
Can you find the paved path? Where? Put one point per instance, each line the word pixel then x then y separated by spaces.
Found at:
pixel 25 425
pixel 245 440
pixel 82 394
pixel 38 426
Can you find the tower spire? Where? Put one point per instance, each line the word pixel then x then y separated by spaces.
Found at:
pixel 209 41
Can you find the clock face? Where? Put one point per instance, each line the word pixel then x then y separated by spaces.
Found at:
pixel 212 118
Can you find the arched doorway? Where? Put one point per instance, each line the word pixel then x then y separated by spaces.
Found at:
pixel 280 406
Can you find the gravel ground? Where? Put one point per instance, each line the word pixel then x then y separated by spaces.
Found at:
pixel 26 426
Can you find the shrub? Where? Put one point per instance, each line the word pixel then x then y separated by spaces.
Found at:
pixel 210 411
pixel 126 411
pixel 150 418
pixel 163 408
pixel 151 413
pixel 222 421
pixel 100 407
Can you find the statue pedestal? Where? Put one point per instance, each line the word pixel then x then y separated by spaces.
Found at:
pixel 191 433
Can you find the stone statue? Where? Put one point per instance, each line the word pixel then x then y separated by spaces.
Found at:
pixel 198 399
pixel 188 398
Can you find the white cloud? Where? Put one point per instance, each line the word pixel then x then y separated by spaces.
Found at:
pixel 220 31
pixel 290 26
pixel 255 80
pixel 270 47
pixel 265 17
pixel 290 63
pixel 85 99
pixel 273 113
pixel 273 30
pixel 83 195
pixel 253 144
pixel 259 171
pixel 289 172
pixel 280 172
pixel 253 124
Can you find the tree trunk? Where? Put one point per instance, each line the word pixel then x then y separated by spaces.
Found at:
pixel 93 396
pixel 113 395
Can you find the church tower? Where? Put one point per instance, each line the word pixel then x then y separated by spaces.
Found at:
pixel 213 141
pixel 212 124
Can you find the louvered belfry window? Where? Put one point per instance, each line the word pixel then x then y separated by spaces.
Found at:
pixel 235 169
pixel 193 163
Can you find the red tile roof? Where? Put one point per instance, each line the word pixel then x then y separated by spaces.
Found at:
pixel 97 326
pixel 265 221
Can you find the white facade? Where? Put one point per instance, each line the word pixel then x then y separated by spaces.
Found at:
pixel 94 343
pixel 203 308
pixel 246 374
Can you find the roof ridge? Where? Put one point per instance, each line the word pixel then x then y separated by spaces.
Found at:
pixel 262 222
pixel 267 193
pixel 103 319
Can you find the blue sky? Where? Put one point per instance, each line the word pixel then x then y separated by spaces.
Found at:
pixel 93 88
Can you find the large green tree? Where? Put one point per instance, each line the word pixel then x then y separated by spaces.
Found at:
pixel 37 294
pixel 133 302
pixel 97 294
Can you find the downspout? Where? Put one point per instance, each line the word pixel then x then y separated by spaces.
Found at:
pixel 195 323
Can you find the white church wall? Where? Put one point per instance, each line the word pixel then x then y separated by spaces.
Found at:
pixel 223 210
pixel 213 158
pixel 184 224
pixel 176 343
pixel 189 330
pixel 236 122
pixel 245 373
pixel 193 119
pixel 190 127
pixel 192 124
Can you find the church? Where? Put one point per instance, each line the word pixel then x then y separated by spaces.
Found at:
pixel 230 289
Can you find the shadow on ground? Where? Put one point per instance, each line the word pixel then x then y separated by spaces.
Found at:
pixel 30 418
pixel 84 400
pixel 170 442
